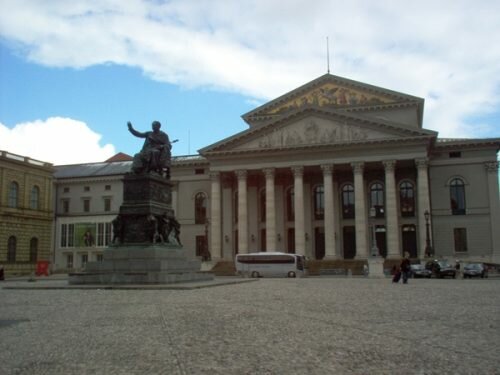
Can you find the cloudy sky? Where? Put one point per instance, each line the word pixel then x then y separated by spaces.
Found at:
pixel 72 73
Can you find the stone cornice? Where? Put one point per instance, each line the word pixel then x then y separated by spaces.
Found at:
pixel 337 145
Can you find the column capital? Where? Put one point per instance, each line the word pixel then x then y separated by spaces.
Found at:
pixel 214 175
pixel 327 169
pixel 241 174
pixel 269 172
pixel 491 166
pixel 389 165
pixel 422 163
pixel 298 171
pixel 358 166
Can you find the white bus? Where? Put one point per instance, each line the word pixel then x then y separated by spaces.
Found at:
pixel 270 264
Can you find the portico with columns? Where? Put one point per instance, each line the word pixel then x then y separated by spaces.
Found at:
pixel 331 170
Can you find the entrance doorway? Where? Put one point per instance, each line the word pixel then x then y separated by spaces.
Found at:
pixel 291 240
pixel 409 237
pixel 319 242
pixel 349 239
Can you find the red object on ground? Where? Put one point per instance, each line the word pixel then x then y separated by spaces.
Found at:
pixel 42 268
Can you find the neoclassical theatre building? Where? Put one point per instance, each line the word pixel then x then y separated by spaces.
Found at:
pixel 335 169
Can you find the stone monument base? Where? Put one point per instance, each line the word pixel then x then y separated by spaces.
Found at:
pixel 375 267
pixel 141 264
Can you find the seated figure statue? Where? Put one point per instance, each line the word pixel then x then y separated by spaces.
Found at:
pixel 155 155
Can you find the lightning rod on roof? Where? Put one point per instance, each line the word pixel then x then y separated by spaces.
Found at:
pixel 327 56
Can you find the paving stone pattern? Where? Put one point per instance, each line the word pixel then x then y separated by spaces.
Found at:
pixel 316 325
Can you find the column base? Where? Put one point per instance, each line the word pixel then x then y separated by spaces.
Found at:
pixel 376 267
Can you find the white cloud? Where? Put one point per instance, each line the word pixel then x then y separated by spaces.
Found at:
pixel 441 51
pixel 55 140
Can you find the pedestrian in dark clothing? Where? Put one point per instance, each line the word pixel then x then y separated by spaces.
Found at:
pixel 405 269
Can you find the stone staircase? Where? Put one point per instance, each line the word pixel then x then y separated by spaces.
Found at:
pixel 224 268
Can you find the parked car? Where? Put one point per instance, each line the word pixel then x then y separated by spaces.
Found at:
pixel 441 268
pixel 418 270
pixel 475 270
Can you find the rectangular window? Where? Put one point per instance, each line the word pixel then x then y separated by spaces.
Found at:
pixel 99 258
pixel 107 235
pixel 86 205
pixel 71 235
pixel 66 190
pixel 67 235
pixel 65 206
pixel 107 187
pixel 69 261
pixel 460 235
pixel 86 188
pixel 455 154
pixel 199 171
pixel 85 259
pixel 100 234
pixel 107 204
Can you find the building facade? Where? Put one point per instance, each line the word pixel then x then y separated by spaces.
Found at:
pixel 336 169
pixel 88 198
pixel 26 215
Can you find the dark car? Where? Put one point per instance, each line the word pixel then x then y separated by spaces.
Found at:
pixel 475 270
pixel 441 268
pixel 418 270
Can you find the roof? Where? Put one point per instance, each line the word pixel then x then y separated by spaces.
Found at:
pixel 92 169
pixel 120 157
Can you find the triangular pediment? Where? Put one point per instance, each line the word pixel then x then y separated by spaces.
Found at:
pixel 313 128
pixel 331 92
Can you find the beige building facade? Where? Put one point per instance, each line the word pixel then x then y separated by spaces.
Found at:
pixel 26 214
pixel 334 170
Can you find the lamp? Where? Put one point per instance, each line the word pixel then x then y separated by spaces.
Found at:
pixel 279 237
pixel 428 247
pixel 252 237
pixel 373 215
pixel 226 238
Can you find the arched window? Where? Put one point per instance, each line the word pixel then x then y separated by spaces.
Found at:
pixel 319 202
pixel 200 208
pixel 290 204
pixel 13 194
pixel 35 198
pixel 262 205
pixel 457 196
pixel 11 249
pixel 377 198
pixel 348 201
pixel 407 199
pixel 33 250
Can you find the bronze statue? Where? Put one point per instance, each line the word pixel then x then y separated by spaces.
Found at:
pixel 155 155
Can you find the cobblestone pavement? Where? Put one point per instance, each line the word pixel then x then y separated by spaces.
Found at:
pixel 316 325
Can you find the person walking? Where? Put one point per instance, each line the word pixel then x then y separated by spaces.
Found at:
pixel 405 269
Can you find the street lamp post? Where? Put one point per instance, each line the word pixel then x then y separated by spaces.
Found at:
pixel 428 247
pixel 374 250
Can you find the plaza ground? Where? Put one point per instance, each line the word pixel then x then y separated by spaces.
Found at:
pixel 315 325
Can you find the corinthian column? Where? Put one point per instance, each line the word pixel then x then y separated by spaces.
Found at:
pixel 423 203
pixel 270 210
pixel 330 248
pixel 242 212
pixel 300 239
pixel 393 247
pixel 492 170
pixel 216 217
pixel 360 211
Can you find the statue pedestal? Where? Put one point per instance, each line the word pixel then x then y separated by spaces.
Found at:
pixel 147 249
pixel 135 264
pixel 375 267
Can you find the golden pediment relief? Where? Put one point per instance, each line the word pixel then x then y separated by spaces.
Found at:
pixel 331 95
